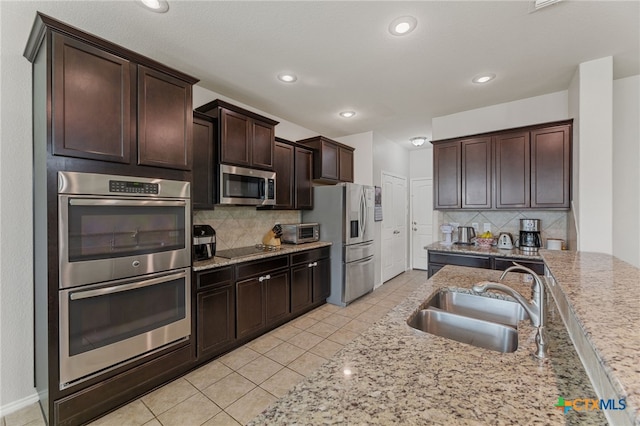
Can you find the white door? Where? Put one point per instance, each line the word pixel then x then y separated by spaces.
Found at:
pixel 394 225
pixel 421 220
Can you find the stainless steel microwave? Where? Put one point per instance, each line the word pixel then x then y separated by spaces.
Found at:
pixel 298 233
pixel 243 186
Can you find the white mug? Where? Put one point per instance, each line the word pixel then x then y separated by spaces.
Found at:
pixel 554 244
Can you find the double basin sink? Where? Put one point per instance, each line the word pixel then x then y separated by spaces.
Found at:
pixel 470 318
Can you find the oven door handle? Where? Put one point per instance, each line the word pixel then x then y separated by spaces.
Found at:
pixel 125 203
pixel 78 295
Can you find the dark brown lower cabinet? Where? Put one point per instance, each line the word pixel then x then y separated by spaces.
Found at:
pixel 310 279
pixel 216 312
pixel 438 260
pixel 321 280
pixel 301 288
pixel 276 289
pixel 251 307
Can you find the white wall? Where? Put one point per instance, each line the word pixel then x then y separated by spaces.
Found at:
pixel 390 157
pixel 593 151
pixel 363 156
pixel 626 173
pixel 523 112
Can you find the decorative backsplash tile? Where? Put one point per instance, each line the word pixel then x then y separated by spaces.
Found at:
pixel 238 226
pixel 553 224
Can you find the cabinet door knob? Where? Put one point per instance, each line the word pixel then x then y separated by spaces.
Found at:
pixel 264 277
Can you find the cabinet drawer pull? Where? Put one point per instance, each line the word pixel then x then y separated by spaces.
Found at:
pixel 311 265
pixel 264 277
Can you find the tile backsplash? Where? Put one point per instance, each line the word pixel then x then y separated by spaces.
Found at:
pixel 553 224
pixel 238 226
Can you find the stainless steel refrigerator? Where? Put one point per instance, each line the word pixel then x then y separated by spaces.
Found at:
pixel 345 215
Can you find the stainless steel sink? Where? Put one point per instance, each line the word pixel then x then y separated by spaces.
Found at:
pixel 476 320
pixel 476 332
pixel 480 307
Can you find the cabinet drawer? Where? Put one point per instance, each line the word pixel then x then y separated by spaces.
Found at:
pixel 257 267
pixel 310 255
pixel 461 260
pixel 217 277
pixel 502 263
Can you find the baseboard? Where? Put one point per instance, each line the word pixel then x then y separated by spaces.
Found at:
pixel 14 406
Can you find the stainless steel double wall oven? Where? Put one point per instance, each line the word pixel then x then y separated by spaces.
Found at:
pixel 124 262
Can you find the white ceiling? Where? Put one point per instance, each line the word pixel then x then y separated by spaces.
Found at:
pixel 346 59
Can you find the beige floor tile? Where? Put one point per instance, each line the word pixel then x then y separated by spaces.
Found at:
pixel 305 340
pixel 357 326
pixel 222 419
pixel 250 405
pixel 194 411
pixel 354 310
pixel 169 396
pixel 303 322
pixel 370 316
pixel 343 336
pixel 322 329
pixel 307 363
pixel 153 422
pixel 331 308
pixel 228 390
pixel 388 302
pixel 135 413
pixel 282 382
pixel 239 357
pixel 337 320
pixel 264 343
pixel 326 349
pixel 318 314
pixel 286 332
pixel 208 374
pixel 26 415
pixel 260 369
pixel 285 353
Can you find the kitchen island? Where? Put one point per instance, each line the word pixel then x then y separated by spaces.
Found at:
pixel 393 374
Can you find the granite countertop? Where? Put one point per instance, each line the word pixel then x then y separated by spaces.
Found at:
pixel 600 297
pixel 218 262
pixel 476 250
pixel 399 375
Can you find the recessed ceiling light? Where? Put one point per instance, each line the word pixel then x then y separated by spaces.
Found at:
pixel 418 140
pixel 484 78
pixel 347 114
pixel 159 6
pixel 403 25
pixel 287 77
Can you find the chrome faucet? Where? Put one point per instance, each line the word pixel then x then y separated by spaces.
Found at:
pixel 535 308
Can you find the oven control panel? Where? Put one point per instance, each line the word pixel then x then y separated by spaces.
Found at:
pixel 133 187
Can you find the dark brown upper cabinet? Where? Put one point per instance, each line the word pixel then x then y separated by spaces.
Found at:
pixel 476 173
pixel 447 175
pixel 164 120
pixel 527 167
pixel 293 165
pixel 551 167
pixel 333 161
pixel 512 173
pixel 244 138
pixel 203 184
pixel 109 103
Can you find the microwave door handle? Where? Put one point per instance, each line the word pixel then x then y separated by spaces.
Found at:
pixel 78 295
pixel 125 203
pixel 262 189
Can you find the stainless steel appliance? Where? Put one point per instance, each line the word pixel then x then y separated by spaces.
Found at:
pixel 505 241
pixel 124 270
pixel 112 227
pixel 298 233
pixel 204 242
pixel 530 240
pixel 246 251
pixel 466 234
pixel 239 185
pixel 345 215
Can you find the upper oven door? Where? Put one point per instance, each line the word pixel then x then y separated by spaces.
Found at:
pixel 106 238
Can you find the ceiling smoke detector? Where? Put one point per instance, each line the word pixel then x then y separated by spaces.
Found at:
pixel 418 140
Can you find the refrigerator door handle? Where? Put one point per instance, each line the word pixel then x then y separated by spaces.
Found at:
pixel 363 213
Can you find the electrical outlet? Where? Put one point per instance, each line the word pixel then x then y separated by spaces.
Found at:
pixel 527 278
pixel 486 227
pixel 475 226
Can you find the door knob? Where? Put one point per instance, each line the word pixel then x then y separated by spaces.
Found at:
pixel 415 229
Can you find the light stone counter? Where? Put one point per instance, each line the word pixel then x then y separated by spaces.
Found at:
pixel 476 250
pixel 599 298
pixel 218 262
pixel 403 376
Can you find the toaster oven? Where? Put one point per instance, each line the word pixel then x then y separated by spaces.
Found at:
pixel 298 233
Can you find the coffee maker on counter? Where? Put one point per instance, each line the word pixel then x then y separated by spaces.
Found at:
pixel 530 240
pixel 204 242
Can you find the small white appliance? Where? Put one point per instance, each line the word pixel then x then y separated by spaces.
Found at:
pixel 505 241
pixel 447 230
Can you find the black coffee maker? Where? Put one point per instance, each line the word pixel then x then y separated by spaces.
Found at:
pixel 530 240
pixel 204 242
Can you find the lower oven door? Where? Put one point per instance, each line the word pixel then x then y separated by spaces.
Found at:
pixel 104 325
